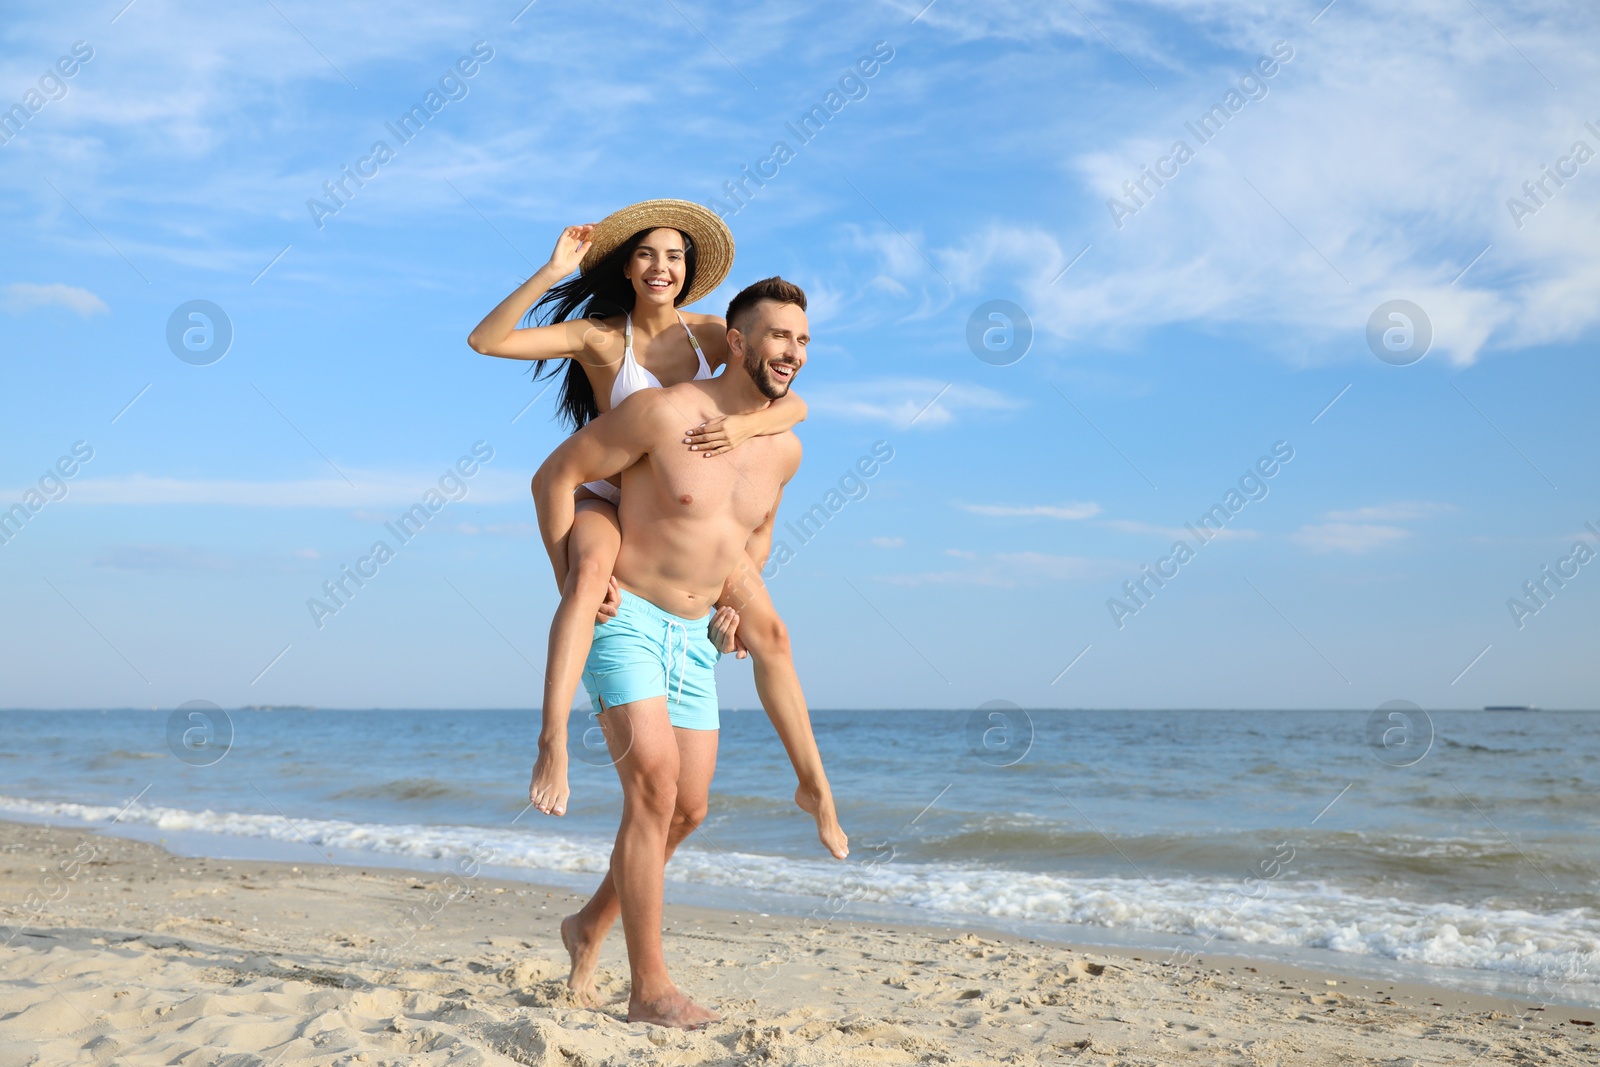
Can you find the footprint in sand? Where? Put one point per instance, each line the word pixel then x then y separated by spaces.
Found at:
pixel 538 983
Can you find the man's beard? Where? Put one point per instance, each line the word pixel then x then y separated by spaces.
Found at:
pixel 761 374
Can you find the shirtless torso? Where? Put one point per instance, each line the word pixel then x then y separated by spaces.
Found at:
pixel 690 520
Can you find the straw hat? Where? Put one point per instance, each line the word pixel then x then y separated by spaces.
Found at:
pixel 713 244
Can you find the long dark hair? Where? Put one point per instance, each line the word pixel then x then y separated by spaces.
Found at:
pixel 598 293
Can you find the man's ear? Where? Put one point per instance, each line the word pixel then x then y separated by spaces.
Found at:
pixel 735 345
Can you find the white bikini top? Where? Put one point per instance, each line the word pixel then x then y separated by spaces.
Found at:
pixel 631 377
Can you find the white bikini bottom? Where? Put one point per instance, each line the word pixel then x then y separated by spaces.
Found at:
pixel 604 490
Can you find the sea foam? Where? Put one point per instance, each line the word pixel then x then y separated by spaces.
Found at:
pixel 1557 947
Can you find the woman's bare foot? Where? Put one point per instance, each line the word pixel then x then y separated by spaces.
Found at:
pixel 818 803
pixel 585 953
pixel 548 790
pixel 671 1009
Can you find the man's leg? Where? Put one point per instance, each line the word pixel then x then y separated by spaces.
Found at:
pixel 648 764
pixel 778 686
pixel 584 931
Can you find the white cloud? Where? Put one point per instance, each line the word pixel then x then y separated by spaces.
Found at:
pixel 1134 526
pixel 1352 537
pixel 1043 565
pixel 1403 511
pixel 24 296
pixel 1020 20
pixel 889 542
pixel 140 107
pixel 1049 511
pixel 500 529
pixel 1358 530
pixel 907 403
pixel 1007 570
pixel 1391 141
pixel 1378 166
pixel 163 558
pixel 371 489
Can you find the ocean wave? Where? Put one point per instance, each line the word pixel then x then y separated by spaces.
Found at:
pixel 1288 913
pixel 1445 856
pixel 1027 842
pixel 1534 796
pixel 404 789
pixel 102 760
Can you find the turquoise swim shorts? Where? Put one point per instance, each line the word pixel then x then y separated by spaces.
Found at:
pixel 646 652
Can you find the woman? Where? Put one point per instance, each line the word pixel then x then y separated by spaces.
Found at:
pixel 618 326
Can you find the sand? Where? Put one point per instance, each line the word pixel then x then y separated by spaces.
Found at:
pixel 118 952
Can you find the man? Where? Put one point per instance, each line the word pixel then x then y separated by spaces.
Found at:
pixel 687 522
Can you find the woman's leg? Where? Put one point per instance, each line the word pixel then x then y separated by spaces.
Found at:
pixel 592 551
pixel 778 686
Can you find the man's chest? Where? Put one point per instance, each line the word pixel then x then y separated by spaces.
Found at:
pixel 741 484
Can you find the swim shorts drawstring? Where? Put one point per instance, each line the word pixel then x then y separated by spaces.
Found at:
pixel 683 652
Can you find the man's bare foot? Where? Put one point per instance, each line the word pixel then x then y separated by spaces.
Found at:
pixel 818 803
pixel 671 1009
pixel 585 953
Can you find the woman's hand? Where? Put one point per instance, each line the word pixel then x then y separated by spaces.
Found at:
pixel 570 247
pixel 719 435
pixel 612 602
pixel 724 632
pixel 499 335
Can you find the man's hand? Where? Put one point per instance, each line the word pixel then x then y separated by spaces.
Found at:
pixel 548 790
pixel 610 605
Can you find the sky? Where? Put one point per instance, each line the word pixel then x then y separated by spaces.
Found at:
pixel 1084 273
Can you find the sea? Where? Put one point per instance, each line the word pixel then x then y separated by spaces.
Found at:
pixel 1455 847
